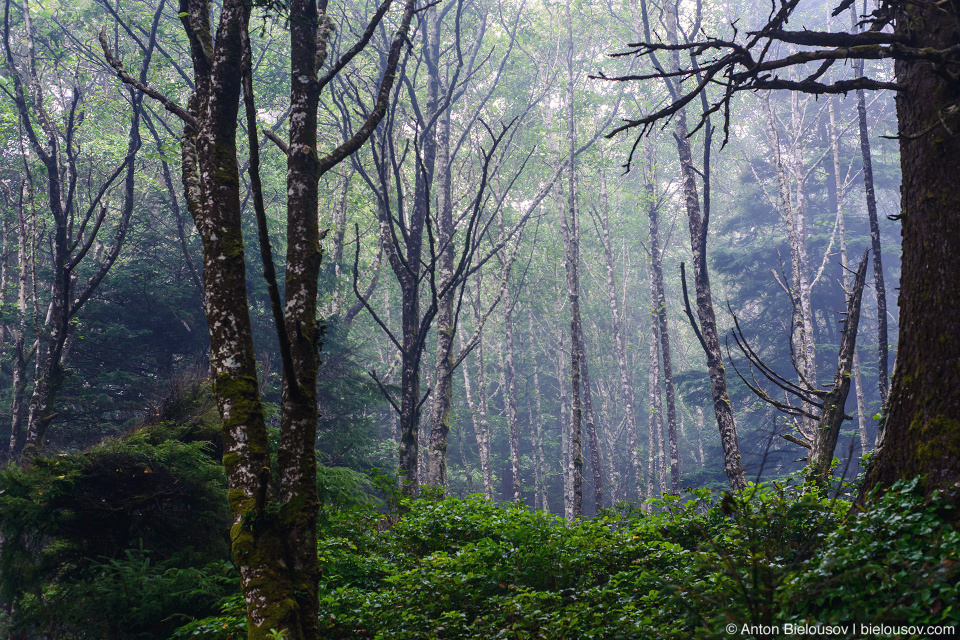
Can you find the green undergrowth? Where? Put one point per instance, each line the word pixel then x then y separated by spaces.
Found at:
pixel 126 539
pixel 773 555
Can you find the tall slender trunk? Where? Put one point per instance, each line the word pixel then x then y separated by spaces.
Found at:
pixel 799 288
pixel 478 411
pixel 20 357
pixel 408 270
pixel 798 242
pixel 442 394
pixel 539 459
pixel 508 389
pixel 571 244
pixel 467 470
pixel 533 419
pixel 659 302
pixel 564 425
pixel 571 251
pixel 698 222
pixel 626 380
pixel 297 458
pixel 841 231
pixel 4 279
pixel 883 381
pixel 610 446
pixel 833 414
pixel 591 428
pixel 657 454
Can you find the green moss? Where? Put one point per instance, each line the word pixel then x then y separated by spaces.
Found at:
pixel 236 497
pixel 938 447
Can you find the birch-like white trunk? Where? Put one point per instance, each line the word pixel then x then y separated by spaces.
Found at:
pixel 799 288
pixel 626 380
pixel 478 411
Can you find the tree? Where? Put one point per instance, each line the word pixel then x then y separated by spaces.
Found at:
pixel 51 122
pixel 698 218
pixel 432 248
pixel 273 537
pixel 922 433
pixel 821 440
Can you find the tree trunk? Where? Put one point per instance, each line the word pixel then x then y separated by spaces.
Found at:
pixel 508 389
pixel 571 246
pixel 832 415
pixel 698 223
pixel 922 432
pixel 20 356
pixel 478 411
pixel 563 423
pixel 572 253
pixel 626 381
pixel 591 428
pixel 212 190
pixel 539 459
pixel 799 287
pixel 442 394
pixel 273 538
pixel 841 232
pixel 883 381
pixel 657 453
pixel 611 446
pixel 659 302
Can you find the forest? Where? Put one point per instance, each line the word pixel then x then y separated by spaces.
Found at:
pixel 479 319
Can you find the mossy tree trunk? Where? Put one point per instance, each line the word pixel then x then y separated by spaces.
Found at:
pixel 922 430
pixel 274 525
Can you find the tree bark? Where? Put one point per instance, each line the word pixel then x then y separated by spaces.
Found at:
pixel 539 459
pixel 563 424
pixel 841 232
pixel 595 467
pixel 659 302
pixel 508 390
pixel 20 356
pixel 698 223
pixel 922 432
pixel 832 415
pixel 571 250
pixel 273 537
pixel 626 380
pixel 799 288
pixel 657 452
pixel 478 411
pixel 883 381
pixel 572 256
pixel 442 393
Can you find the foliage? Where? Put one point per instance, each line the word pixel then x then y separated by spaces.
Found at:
pixel 91 538
pixel 128 597
pixel 775 554
pixel 895 563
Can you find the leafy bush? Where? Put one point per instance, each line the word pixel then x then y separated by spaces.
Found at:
pixel 130 597
pixel 90 539
pixel 897 563
pixel 773 554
